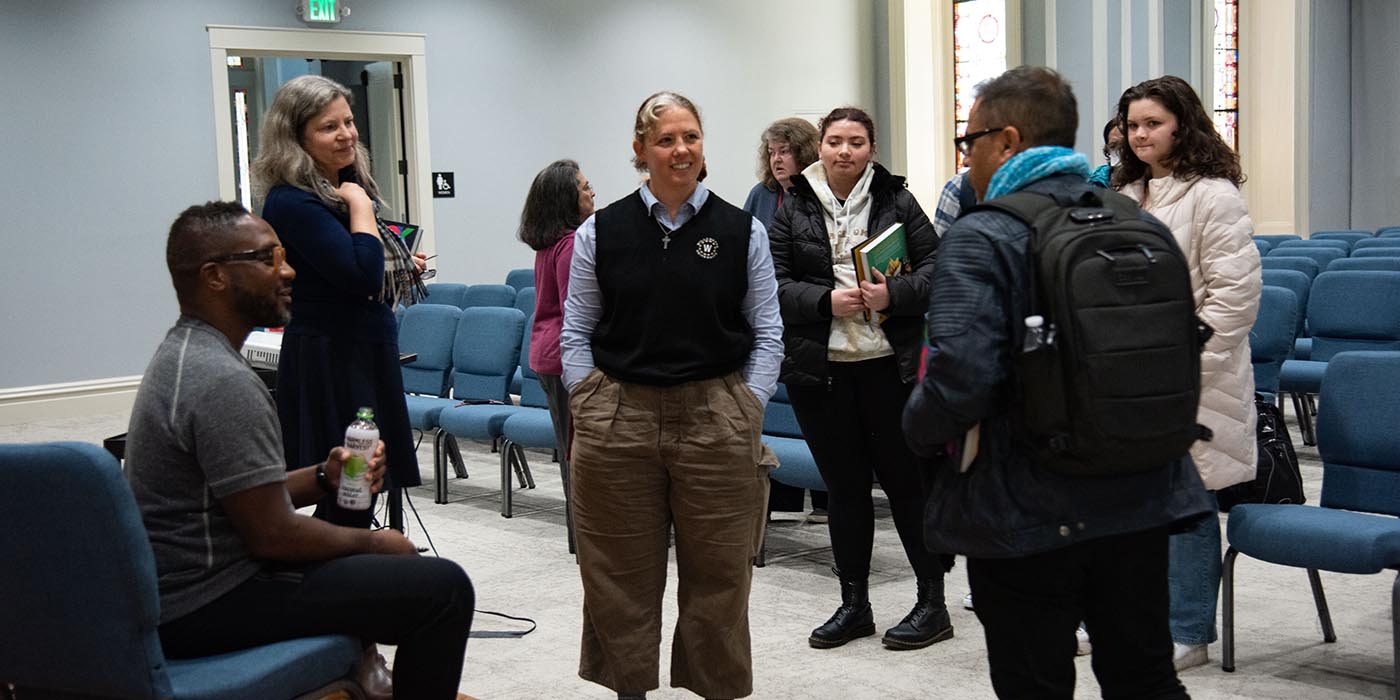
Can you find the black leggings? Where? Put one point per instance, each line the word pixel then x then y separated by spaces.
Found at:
pixel 423 605
pixel 853 426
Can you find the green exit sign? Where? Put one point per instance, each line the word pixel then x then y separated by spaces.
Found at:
pixel 321 11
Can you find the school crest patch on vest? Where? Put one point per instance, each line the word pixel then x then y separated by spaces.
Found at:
pixel 707 248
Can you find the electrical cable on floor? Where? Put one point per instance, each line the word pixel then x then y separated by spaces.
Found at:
pixel 479 634
pixel 502 634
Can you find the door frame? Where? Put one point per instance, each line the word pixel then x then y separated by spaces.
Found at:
pixel 405 48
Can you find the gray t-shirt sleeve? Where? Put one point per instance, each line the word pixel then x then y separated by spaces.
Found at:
pixel 239 440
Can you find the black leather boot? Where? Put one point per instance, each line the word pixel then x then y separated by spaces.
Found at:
pixel 926 624
pixel 852 620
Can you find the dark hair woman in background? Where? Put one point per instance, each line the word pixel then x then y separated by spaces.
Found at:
pixel 1179 169
pixel 848 377
pixel 341 350
pixel 671 346
pixel 560 199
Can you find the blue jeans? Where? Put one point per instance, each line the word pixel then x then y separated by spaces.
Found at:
pixel 1193 578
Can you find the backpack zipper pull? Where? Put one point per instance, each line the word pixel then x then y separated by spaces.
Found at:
pixel 1148 253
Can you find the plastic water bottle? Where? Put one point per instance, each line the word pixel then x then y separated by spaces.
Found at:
pixel 361 438
pixel 1035 334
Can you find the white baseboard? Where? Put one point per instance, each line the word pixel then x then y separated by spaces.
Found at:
pixel 27 404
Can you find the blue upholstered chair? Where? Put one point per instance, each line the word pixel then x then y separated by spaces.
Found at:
pixel 1307 266
pixel 520 279
pixel 1352 310
pixel 1263 246
pixel 1322 255
pixel 1297 282
pixel 532 428
pixel 1376 243
pixel 1271 337
pixel 485 352
pixel 445 293
pixel 428 330
pixel 525 301
pixel 488 295
pixel 1364 263
pixel 1344 246
pixel 1353 529
pixel 81 607
pixel 1351 236
pixel 1382 252
pixel 1388 232
pixel 1276 238
pixel 796 466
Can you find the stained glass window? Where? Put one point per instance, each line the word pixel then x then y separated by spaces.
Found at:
pixel 979 52
pixel 1227 71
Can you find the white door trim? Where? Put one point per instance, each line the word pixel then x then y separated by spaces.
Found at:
pixel 409 49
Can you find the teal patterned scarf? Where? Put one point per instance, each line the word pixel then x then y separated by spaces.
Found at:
pixel 1034 164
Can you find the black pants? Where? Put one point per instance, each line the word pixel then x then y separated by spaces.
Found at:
pixel 853 426
pixel 1030 607
pixel 423 605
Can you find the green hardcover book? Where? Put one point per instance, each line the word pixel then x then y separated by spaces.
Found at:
pixel 887 252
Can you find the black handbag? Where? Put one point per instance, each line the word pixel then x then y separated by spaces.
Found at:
pixel 1277 479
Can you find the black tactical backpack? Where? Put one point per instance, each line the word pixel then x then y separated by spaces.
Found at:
pixel 1110 379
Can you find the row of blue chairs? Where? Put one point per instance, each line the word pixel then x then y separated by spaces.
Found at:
pixel 465 296
pixel 1350 235
pixel 1340 309
pixel 460 385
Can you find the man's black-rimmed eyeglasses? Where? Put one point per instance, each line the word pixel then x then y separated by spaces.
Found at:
pixel 272 255
pixel 964 143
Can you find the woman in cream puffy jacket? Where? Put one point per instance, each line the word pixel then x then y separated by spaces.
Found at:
pixel 1180 170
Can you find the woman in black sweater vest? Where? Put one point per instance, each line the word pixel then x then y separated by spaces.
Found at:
pixel 671 345
pixel 848 377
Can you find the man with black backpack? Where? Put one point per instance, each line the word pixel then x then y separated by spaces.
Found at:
pixel 1057 404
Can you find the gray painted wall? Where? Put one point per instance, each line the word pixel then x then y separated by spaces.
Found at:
pixel 1375 103
pixel 1329 122
pixel 107 132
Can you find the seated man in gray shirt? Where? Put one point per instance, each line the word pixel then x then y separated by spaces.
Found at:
pixel 237 565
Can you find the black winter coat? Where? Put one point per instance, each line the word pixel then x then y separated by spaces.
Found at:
pixel 802 261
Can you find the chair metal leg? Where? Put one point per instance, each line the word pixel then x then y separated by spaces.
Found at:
pixel 1227 600
pixel 1323 615
pixel 507 450
pixel 439 467
pixel 455 454
pixel 1395 632
pixel 522 468
pixel 1305 423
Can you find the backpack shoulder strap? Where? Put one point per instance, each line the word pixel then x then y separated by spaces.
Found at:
pixel 1025 206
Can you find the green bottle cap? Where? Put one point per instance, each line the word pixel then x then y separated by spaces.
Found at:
pixel 365 413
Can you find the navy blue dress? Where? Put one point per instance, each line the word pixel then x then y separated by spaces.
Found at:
pixel 340 350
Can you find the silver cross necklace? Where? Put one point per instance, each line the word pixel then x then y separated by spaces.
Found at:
pixel 665 235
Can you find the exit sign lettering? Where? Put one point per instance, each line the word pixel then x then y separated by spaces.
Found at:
pixel 320 11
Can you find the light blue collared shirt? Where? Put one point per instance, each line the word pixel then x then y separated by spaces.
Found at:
pixel 584 305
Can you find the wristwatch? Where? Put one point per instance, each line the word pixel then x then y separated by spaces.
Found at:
pixel 321 479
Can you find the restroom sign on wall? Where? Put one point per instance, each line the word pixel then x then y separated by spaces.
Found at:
pixel 442 185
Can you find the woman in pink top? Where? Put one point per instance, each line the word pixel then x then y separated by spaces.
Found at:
pixel 560 199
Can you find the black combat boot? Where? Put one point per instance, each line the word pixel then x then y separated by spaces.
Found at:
pixel 852 620
pixel 927 623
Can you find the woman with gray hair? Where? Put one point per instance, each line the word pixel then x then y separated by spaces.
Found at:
pixel 670 345
pixel 785 148
pixel 340 351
